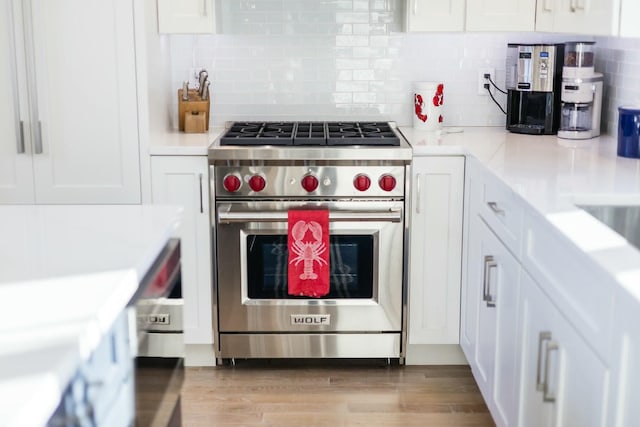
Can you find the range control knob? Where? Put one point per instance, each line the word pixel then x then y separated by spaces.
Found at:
pixel 231 183
pixel 361 182
pixel 257 183
pixel 309 183
pixel 387 182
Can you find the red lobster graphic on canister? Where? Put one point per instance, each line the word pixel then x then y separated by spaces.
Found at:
pixel 419 105
pixel 428 98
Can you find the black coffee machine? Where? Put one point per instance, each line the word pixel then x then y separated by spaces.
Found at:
pixel 534 84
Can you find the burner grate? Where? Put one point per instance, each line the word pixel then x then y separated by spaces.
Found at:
pixel 259 133
pixel 310 133
pixel 361 133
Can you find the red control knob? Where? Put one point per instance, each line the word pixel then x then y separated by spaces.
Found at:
pixel 231 183
pixel 387 182
pixel 257 183
pixel 361 182
pixel 309 183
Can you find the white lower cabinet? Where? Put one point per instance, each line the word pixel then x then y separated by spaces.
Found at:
pixel 624 410
pixel 534 362
pixel 183 181
pixel 563 382
pixel 490 302
pixel 435 249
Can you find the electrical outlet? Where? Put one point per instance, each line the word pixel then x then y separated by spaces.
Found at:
pixel 482 81
pixel 158 319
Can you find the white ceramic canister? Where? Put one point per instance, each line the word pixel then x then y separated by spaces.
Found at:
pixel 428 98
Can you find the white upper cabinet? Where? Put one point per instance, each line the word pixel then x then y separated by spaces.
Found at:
pixel 435 15
pixel 593 17
pixel 72 81
pixel 186 16
pixel 629 14
pixel 16 172
pixel 501 15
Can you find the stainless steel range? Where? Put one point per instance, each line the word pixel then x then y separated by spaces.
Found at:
pixel 356 171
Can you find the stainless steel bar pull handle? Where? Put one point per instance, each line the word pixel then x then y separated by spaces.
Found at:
pixel 38 145
pixel 226 216
pixel 489 263
pixel 20 139
pixel 415 7
pixel 494 207
pixel 205 12
pixel 547 395
pixel 542 337
pixel 572 6
pixel 201 200
pixel 418 193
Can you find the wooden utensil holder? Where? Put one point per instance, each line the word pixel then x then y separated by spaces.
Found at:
pixel 193 114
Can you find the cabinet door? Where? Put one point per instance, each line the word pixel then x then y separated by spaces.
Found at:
pixel 186 16
pixel 84 116
pixel 435 15
pixel 501 15
pixel 593 17
pixel 544 14
pixel 435 250
pixel 495 276
pixel 183 181
pixel 629 12
pixel 624 410
pixel 16 171
pixel 563 382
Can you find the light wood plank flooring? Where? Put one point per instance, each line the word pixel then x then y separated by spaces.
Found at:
pixel 261 393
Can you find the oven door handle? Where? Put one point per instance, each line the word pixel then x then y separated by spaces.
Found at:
pixel 227 216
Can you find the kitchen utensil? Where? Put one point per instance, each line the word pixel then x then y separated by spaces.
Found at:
pixel 202 77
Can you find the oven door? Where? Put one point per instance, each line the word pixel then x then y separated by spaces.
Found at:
pixel 366 264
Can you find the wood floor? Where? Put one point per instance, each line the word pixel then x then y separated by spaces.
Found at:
pixel 331 394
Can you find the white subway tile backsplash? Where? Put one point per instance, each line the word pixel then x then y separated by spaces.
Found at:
pixel 327 60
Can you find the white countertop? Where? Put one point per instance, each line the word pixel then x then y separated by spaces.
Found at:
pixel 183 144
pixel 66 273
pixel 553 176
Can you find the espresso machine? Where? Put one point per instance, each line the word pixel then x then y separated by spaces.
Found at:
pixel 581 94
pixel 533 80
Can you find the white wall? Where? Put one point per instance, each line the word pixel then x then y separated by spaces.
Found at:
pixel 330 60
pixel 619 60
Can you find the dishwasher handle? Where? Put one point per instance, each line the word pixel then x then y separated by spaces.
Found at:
pixel 227 216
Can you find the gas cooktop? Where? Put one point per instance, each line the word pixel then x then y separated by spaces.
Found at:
pixel 310 133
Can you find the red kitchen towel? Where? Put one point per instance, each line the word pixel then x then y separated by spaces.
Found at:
pixel 308 243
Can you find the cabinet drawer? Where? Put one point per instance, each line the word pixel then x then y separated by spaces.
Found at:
pixel 582 292
pixel 499 206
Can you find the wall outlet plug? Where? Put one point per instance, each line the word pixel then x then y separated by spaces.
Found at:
pixel 482 80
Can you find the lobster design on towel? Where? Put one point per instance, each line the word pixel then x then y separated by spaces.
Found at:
pixel 308 243
pixel 307 252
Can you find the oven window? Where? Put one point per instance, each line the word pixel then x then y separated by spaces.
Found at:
pixel 350 260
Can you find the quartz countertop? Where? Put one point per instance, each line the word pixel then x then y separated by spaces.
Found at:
pixel 553 176
pixel 66 273
pixel 183 144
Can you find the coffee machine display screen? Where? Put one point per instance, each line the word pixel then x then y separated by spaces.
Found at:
pixel 525 55
pixel 544 54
